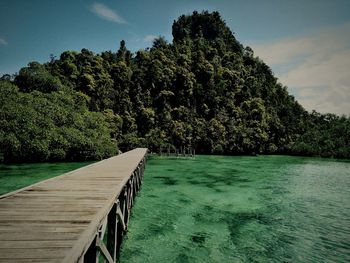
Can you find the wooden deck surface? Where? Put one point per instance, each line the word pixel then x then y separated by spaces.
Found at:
pixel 55 220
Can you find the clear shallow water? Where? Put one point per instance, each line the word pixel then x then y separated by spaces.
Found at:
pixel 241 209
pixel 15 176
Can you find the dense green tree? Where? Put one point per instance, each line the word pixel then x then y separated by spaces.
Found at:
pixel 204 90
pixel 36 77
pixel 38 126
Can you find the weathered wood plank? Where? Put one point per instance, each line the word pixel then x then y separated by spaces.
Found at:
pixel 30 260
pixel 33 253
pixel 36 244
pixel 54 207
pixel 27 236
pixel 57 219
pixel 31 229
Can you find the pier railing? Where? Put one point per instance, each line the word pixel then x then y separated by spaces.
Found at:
pixel 76 217
pixel 116 222
pixel 177 152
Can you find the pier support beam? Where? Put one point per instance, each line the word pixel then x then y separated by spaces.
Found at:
pixel 116 222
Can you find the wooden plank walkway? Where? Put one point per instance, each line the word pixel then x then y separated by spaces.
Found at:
pixel 63 219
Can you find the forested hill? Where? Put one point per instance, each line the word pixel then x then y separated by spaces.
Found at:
pixel 205 90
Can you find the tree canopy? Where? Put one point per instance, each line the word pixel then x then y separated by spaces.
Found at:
pixel 204 90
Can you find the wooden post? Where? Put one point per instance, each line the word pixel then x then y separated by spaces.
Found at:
pixel 91 255
pixel 139 176
pixel 117 220
pixel 125 204
pixel 134 186
pixel 136 172
pixel 112 231
pixel 128 202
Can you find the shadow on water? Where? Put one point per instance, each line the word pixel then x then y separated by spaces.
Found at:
pixel 167 180
pixel 226 177
pixel 15 176
pixel 199 238
pixel 236 221
pixel 241 209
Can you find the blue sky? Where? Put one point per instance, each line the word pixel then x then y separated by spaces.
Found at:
pixel 306 43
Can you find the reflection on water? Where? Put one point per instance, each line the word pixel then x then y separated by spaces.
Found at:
pixel 241 209
pixel 15 176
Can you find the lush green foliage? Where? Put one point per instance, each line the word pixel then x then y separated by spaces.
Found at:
pixel 57 126
pixel 326 135
pixel 204 90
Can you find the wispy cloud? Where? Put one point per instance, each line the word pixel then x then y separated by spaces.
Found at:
pixel 107 13
pixel 149 38
pixel 318 67
pixel 3 41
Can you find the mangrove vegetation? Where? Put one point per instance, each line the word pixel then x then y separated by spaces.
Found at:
pixel 204 90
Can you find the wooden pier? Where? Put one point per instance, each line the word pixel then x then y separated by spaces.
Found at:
pixel 64 219
pixel 181 152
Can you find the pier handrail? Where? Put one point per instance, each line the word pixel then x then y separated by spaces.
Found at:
pixel 64 219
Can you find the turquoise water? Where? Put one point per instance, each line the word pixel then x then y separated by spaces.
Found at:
pixel 15 176
pixel 241 209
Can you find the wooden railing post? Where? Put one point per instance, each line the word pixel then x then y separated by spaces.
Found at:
pixel 112 231
pixel 91 255
pixel 117 221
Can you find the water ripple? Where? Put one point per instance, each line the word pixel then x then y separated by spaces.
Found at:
pixel 241 209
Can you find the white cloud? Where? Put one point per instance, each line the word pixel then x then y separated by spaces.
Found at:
pixel 3 41
pixel 321 79
pixel 107 13
pixel 282 51
pixel 314 71
pixel 149 38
